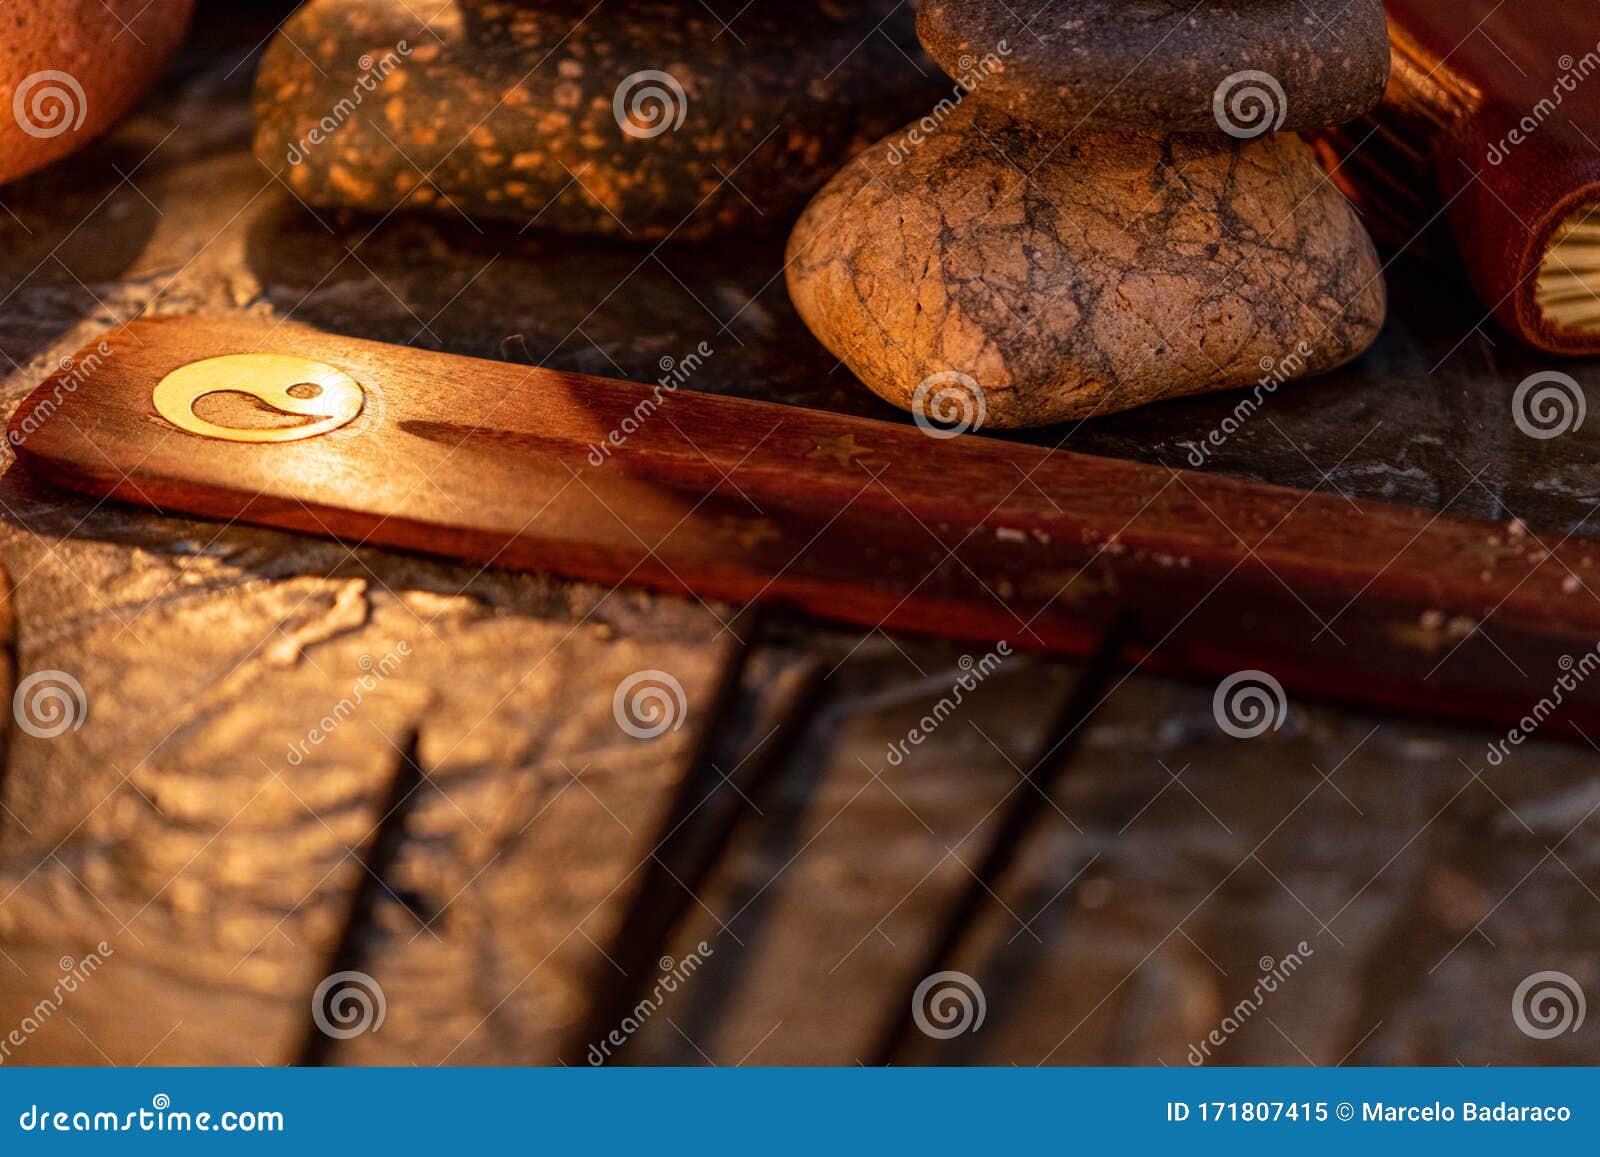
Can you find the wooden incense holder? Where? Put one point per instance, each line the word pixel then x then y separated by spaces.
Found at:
pixel 861 522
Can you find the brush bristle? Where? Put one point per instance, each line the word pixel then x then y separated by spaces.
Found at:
pixel 1567 289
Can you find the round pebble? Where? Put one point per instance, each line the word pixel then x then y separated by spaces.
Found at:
pixel 1056 280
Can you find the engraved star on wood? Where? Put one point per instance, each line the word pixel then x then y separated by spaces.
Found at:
pixel 749 533
pixel 841 448
pixel 1072 587
pixel 1432 633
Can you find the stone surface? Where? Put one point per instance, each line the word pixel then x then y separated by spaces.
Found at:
pixel 1153 891
pixel 641 120
pixel 1082 279
pixel 1160 65
pixel 70 68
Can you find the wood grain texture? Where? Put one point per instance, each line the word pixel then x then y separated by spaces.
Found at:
pixel 849 519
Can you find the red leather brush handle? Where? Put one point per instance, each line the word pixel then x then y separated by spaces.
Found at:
pixel 1491 118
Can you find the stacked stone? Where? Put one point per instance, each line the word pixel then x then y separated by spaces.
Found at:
pixel 641 119
pixel 1108 211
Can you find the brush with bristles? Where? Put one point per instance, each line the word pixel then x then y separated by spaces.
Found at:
pixel 1489 124
pixel 1567 288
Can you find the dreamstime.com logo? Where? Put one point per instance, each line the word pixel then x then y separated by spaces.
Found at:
pixel 1548 1004
pixel 674 974
pixel 49 103
pixel 71 374
pixel 373 73
pixel 1274 974
pixel 1275 371
pixel 649 703
pixel 973 72
pixel 1250 704
pixel 373 673
pixel 674 373
pixel 948 1004
pixel 1573 74
pixel 74 974
pixel 1548 405
pixel 973 672
pixel 947 404
pixel 1574 672
pixel 347 1004
pixel 1249 104
pixel 649 103
pixel 49 703
pixel 159 1117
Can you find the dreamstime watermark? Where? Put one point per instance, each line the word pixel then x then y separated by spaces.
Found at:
pixel 347 1004
pixel 73 974
pixel 674 373
pixel 649 703
pixel 49 103
pixel 373 73
pixel 947 404
pixel 69 376
pixel 674 973
pixel 160 1117
pixel 973 672
pixel 1573 74
pixel 948 1004
pixel 1549 404
pixel 1249 104
pixel 1273 974
pixel 1275 371
pixel 973 73
pixel 1248 704
pixel 49 703
pixel 1574 673
pixel 1547 1004
pixel 374 672
pixel 649 103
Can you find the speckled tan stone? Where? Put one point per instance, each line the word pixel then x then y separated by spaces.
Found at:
pixel 1158 65
pixel 1126 270
pixel 644 119
pixel 70 68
